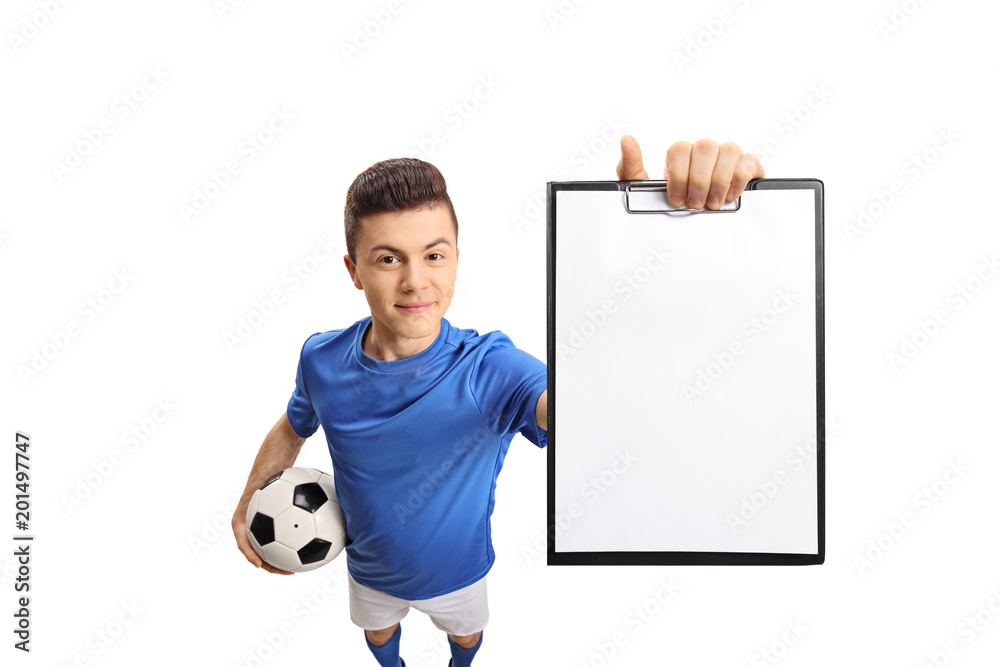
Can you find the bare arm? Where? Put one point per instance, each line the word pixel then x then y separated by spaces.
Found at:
pixel 542 411
pixel 279 451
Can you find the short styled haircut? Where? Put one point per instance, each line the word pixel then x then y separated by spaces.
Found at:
pixel 398 184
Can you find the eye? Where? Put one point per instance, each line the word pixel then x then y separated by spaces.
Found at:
pixel 437 254
pixel 384 258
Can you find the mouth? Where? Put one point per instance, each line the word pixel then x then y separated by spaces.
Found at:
pixel 417 307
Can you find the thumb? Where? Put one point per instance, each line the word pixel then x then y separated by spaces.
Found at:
pixel 630 166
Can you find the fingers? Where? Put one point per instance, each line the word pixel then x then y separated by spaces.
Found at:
pixel 275 570
pixel 704 155
pixel 708 174
pixel 725 165
pixel 250 554
pixel 676 172
pixel 243 542
pixel 630 165
pixel 700 174
pixel 747 168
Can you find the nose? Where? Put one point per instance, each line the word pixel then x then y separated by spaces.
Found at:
pixel 415 277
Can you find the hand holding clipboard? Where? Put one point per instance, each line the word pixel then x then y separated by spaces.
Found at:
pixel 704 173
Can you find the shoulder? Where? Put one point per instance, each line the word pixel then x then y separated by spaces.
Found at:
pixel 471 341
pixel 495 350
pixel 325 340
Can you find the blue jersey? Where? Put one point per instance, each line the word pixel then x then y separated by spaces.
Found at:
pixel 417 444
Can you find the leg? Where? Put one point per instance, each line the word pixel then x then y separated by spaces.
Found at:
pixel 468 641
pixel 384 645
pixel 374 609
pixel 380 637
pixel 457 613
pixel 464 648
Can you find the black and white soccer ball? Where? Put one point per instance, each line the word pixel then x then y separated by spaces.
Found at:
pixel 294 521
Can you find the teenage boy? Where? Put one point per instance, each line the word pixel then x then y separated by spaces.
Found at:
pixel 418 414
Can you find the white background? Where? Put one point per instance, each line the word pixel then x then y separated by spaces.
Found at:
pixel 145 553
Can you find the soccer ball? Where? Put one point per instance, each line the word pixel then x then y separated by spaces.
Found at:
pixel 294 521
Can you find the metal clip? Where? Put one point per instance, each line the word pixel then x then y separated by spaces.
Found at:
pixel 651 197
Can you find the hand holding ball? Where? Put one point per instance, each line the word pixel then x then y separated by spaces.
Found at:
pixel 294 521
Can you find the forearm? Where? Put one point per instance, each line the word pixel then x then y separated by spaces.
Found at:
pixel 279 450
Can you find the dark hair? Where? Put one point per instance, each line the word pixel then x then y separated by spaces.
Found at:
pixel 398 184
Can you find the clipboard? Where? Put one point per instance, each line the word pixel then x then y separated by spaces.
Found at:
pixel 686 376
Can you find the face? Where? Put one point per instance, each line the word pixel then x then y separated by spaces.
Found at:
pixel 407 265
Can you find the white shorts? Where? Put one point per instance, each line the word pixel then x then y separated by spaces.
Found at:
pixel 460 613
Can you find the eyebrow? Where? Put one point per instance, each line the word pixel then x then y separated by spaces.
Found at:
pixel 383 246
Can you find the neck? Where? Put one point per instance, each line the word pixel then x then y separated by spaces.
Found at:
pixel 382 346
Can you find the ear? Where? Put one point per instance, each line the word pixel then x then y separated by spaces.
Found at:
pixel 352 270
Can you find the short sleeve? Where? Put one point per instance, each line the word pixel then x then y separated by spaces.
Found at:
pixel 507 385
pixel 301 415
